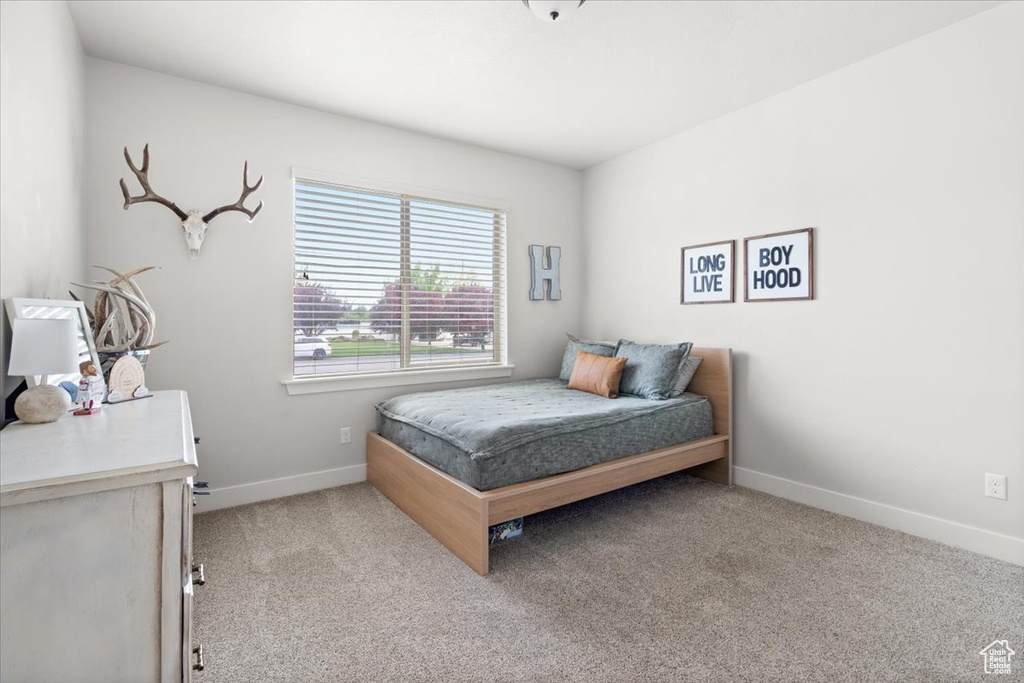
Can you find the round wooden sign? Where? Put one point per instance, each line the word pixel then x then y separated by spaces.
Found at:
pixel 126 376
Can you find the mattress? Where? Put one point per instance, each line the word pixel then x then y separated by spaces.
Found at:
pixel 498 435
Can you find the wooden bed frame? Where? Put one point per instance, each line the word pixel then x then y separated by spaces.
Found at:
pixel 459 516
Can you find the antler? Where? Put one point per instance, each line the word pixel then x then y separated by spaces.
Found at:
pixel 237 206
pixel 143 176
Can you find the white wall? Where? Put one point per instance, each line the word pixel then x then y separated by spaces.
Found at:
pixel 42 154
pixel 228 315
pixel 903 382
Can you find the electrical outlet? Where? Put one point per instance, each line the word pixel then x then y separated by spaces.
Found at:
pixel 995 486
pixel 346 435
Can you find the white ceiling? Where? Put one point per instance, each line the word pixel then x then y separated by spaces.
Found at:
pixel 621 74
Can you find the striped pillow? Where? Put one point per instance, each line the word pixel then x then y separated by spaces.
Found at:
pixel 686 373
pixel 597 374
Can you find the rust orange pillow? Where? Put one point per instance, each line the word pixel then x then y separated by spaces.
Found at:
pixel 597 374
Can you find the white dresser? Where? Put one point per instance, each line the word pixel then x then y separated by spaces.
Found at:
pixel 96 570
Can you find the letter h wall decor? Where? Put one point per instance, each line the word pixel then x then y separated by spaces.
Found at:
pixel 539 273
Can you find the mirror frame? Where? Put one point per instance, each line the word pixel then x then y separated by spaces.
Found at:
pixel 18 308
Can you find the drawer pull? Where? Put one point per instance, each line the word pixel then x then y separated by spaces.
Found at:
pixel 204 485
pixel 198 652
pixel 196 440
pixel 201 580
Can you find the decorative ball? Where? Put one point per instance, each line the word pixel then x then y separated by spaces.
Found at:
pixel 41 404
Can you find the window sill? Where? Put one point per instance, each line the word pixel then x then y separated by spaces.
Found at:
pixel 318 385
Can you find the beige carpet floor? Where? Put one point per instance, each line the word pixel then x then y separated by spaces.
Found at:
pixel 672 580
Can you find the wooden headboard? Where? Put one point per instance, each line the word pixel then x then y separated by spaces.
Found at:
pixel 714 380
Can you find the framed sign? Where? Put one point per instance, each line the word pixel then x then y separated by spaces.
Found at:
pixel 779 267
pixel 707 273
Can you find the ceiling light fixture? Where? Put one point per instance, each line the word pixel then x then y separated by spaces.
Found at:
pixel 554 10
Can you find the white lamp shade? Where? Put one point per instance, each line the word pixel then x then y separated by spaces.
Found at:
pixel 43 346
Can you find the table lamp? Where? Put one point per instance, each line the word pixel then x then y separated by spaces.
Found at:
pixel 43 346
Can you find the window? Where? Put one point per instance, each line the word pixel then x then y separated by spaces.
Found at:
pixel 389 282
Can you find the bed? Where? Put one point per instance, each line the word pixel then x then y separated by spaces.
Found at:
pixel 473 473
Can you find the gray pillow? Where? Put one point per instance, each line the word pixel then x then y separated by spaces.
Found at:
pixel 651 369
pixel 686 373
pixel 606 349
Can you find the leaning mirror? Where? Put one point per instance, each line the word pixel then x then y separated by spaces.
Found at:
pixel 56 309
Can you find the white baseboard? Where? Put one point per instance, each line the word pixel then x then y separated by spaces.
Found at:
pixel 970 538
pixel 243 494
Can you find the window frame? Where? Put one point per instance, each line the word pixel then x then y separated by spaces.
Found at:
pixel 501 367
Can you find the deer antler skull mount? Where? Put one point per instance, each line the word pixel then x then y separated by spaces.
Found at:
pixel 194 223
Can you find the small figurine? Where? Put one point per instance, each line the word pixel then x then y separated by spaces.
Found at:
pixel 91 389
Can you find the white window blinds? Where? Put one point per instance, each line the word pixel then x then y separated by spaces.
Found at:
pixel 392 282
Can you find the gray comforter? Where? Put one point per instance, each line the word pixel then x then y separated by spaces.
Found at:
pixel 501 434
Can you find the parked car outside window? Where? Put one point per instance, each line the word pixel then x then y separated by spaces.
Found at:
pixel 480 340
pixel 312 347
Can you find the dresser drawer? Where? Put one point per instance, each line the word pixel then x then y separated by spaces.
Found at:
pixel 82 587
